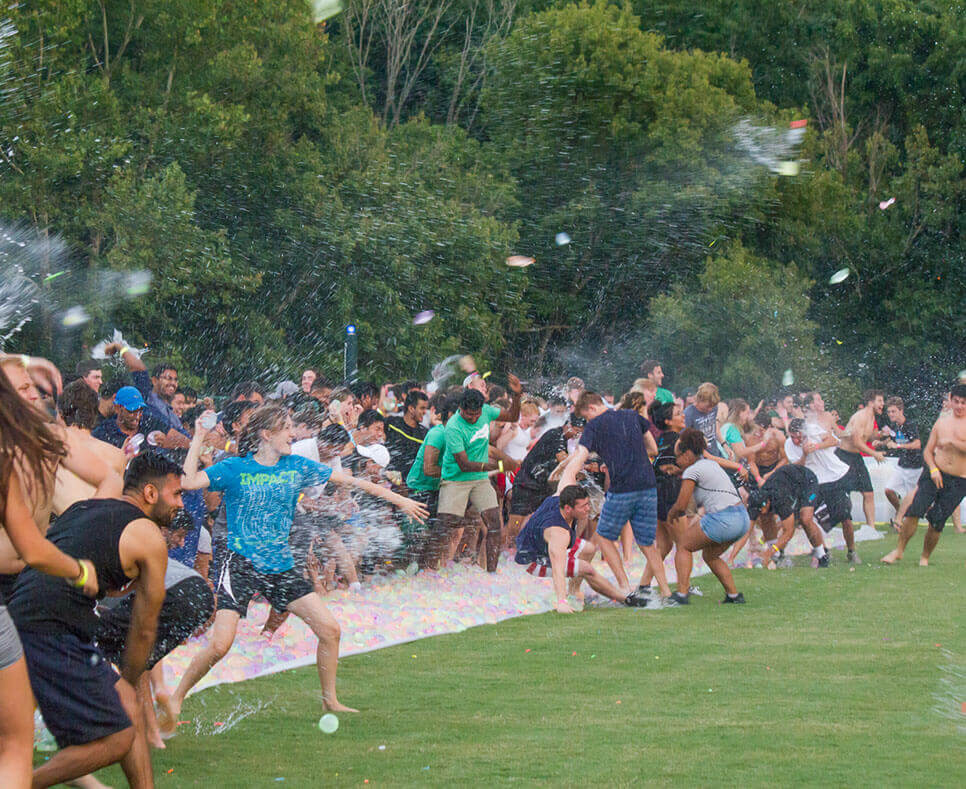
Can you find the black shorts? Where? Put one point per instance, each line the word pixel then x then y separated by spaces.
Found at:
pixel 525 501
pixel 764 469
pixel 74 685
pixel 7 582
pixel 788 501
pixel 668 488
pixel 857 477
pixel 239 581
pixel 937 504
pixel 832 506
pixel 187 605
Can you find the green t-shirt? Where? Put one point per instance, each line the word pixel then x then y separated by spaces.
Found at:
pixel 416 480
pixel 732 435
pixel 664 395
pixel 473 439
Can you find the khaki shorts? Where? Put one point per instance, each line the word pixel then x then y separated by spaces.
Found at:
pixel 455 495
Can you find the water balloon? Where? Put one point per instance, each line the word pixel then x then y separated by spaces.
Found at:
pixel 75 316
pixel 562 239
pixel 788 378
pixel 886 203
pixel 788 168
pixel 519 261
pixel 839 276
pixel 325 9
pixel 423 317
pixel 328 723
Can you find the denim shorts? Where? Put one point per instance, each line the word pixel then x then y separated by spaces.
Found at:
pixel 637 506
pixel 726 525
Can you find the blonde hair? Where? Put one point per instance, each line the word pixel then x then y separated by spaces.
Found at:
pixel 735 407
pixel 531 409
pixel 644 385
pixel 266 417
pixel 708 393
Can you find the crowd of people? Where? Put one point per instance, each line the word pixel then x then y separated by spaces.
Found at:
pixel 136 513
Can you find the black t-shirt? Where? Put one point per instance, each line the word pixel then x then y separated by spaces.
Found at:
pixel 905 434
pixel 89 529
pixel 541 460
pixel 618 437
pixel 792 485
pixel 403 443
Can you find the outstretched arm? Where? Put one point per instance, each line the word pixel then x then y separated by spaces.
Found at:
pixel 576 463
pixel 413 509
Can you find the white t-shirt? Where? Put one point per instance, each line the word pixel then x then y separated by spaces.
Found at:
pixel 713 488
pixel 824 463
pixel 517 446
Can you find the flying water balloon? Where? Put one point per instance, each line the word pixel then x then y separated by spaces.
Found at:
pixel 423 317
pixel 886 203
pixel 562 239
pixel 788 378
pixel 328 723
pixel 839 276
pixel 519 261
pixel 325 9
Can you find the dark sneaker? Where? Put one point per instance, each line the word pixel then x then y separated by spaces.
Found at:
pixel 823 562
pixel 738 598
pixel 635 601
pixel 679 599
pixel 854 558
pixel 643 591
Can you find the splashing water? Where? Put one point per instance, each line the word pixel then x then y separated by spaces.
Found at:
pixel 768 146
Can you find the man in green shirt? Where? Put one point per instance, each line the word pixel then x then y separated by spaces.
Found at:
pixel 651 369
pixel 466 466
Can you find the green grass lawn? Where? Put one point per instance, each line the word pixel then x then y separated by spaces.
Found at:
pixel 825 677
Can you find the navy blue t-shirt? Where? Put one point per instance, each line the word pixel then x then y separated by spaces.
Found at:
pixel 530 543
pixel 618 437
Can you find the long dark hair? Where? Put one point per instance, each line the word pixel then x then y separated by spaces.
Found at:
pixel 27 443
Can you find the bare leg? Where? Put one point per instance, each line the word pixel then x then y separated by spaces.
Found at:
pixel 958 520
pixel 909 526
pixel 683 563
pixel 514 527
pixel 311 610
pixel 608 549
pixel 656 563
pixel 274 621
pixel 598 583
pixel 717 565
pixel 929 543
pixel 146 710
pixel 893 499
pixel 664 544
pixel 627 542
pixel 137 761
pixel 494 539
pixel 848 531
pixel 16 726
pixel 868 507
pixel 219 642
pixel 128 747
pixel 342 557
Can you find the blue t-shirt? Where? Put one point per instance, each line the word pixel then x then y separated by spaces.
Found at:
pixel 260 503
pixel 531 544
pixel 618 437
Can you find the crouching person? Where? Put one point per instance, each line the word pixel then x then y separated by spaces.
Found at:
pixel 548 545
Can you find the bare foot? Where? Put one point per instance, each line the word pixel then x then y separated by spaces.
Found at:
pixel 923 562
pixel 335 706
pixel 155 740
pixel 960 529
pixel 892 557
pixel 168 713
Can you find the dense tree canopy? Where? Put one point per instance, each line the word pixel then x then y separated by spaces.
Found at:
pixel 280 178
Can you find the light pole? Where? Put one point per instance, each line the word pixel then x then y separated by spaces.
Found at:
pixel 351 356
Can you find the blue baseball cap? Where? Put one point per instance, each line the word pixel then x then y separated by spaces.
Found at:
pixel 129 399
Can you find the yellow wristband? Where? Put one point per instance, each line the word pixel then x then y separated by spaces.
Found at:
pixel 82 579
pixel 933 469
pixel 500 466
pixel 124 350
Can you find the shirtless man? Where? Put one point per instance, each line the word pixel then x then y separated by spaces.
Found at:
pixel 860 429
pixel 77 405
pixel 25 373
pixel 943 481
pixel 768 443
